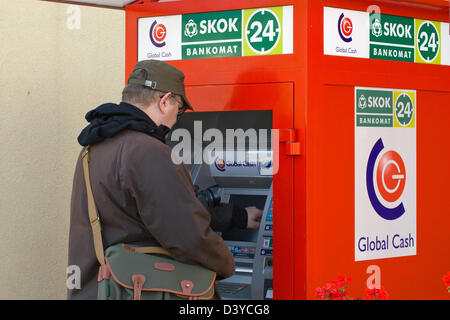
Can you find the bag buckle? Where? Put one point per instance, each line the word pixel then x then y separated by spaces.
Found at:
pixel 104 273
pixel 138 282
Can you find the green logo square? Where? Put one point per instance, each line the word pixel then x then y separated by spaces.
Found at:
pixel 263 31
pixel 428 41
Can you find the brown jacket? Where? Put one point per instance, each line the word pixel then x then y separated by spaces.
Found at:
pixel 142 197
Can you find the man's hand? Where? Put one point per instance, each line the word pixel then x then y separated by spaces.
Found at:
pixel 254 217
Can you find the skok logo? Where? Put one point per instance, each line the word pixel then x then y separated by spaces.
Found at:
pixel 390 181
pixel 362 102
pixel 158 33
pixel 345 28
pixel 377 28
pixel 190 30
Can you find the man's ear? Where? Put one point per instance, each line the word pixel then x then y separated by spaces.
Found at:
pixel 162 105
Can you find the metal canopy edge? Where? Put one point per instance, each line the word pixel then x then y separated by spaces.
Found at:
pixel 115 4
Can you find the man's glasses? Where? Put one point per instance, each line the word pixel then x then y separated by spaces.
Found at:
pixel 181 106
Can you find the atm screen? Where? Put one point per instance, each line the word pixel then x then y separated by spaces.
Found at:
pixel 244 200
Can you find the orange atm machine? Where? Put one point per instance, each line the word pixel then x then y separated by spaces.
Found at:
pixel 348 101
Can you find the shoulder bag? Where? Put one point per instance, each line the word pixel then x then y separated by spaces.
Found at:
pixel 133 272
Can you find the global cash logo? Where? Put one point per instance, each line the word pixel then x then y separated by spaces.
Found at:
pixel 345 28
pixel 386 181
pixel 220 164
pixel 157 34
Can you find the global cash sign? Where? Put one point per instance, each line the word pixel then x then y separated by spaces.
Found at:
pixel 345 33
pixel 158 38
pixel 385 173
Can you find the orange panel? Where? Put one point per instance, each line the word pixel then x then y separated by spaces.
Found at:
pixel 330 164
pixel 252 83
pixel 314 94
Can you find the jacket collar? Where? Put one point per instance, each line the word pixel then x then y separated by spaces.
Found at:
pixel 109 119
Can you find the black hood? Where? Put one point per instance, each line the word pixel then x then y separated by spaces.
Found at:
pixel 109 119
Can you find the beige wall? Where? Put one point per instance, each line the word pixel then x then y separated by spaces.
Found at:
pixel 50 76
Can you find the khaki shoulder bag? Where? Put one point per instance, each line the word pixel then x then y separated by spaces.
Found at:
pixel 133 272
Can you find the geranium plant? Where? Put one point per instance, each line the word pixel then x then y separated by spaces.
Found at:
pixel 337 290
pixel 446 280
pixel 376 294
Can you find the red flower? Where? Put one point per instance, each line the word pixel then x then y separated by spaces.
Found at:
pixel 341 281
pixel 376 294
pixel 336 290
pixel 446 279
pixel 369 297
pixel 320 293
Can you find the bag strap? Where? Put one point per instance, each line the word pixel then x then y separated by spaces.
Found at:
pixel 153 250
pixel 93 213
pixel 95 219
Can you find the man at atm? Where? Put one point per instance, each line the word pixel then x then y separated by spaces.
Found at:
pixel 141 195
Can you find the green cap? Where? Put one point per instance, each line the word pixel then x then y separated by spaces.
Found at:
pixel 163 77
